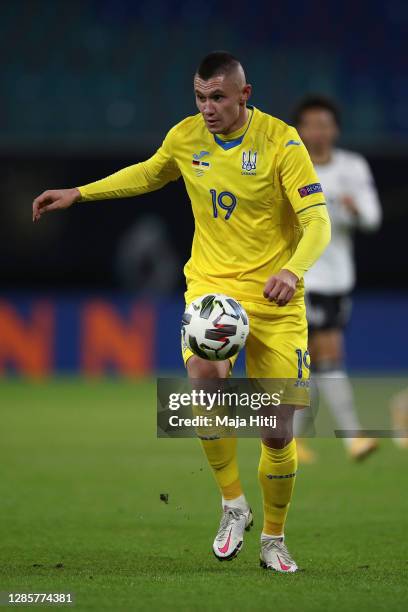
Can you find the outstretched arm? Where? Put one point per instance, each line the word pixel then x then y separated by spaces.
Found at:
pixel 54 199
pixel 131 181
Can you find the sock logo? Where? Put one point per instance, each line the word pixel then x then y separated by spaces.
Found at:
pixel 279 476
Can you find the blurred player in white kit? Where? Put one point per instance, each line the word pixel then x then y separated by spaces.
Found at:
pixel 352 203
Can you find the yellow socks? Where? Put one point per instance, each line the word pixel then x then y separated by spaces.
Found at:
pixel 276 473
pixel 277 470
pixel 222 457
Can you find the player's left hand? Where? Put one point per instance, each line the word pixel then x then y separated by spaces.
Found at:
pixel 281 287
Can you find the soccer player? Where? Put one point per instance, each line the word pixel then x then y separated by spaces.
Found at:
pixel 260 223
pixel 352 203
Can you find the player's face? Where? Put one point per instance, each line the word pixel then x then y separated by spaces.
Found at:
pixel 318 129
pixel 221 102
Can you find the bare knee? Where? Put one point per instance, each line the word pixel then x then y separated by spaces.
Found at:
pixel 283 433
pixel 277 443
pixel 201 368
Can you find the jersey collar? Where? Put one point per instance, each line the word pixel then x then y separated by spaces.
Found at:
pixel 235 142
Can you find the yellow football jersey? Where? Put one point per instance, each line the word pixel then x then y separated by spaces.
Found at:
pixel 245 190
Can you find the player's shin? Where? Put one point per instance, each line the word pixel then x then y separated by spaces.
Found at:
pixel 236 514
pixel 335 388
pixel 222 457
pixel 276 473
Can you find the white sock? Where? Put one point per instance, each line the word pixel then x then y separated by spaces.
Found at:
pixel 337 391
pixel 239 502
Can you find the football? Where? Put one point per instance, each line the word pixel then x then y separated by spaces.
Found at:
pixel 215 327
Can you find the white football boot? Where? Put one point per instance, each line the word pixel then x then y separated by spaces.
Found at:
pixel 275 556
pixel 230 536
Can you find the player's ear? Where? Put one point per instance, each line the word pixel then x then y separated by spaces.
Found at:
pixel 245 94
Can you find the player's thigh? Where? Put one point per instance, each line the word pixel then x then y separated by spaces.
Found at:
pixel 201 368
pixel 327 311
pixel 277 350
pixel 277 344
pixel 327 316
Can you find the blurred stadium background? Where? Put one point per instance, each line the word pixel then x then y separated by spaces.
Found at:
pixel 91 86
pixel 88 87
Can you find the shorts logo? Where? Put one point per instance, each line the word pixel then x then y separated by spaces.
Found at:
pixel 310 189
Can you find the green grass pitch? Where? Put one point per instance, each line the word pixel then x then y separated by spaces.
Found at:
pixel 81 474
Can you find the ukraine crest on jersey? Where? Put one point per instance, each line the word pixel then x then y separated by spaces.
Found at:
pixel 245 191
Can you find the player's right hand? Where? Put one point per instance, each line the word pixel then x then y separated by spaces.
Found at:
pixel 281 287
pixel 54 199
